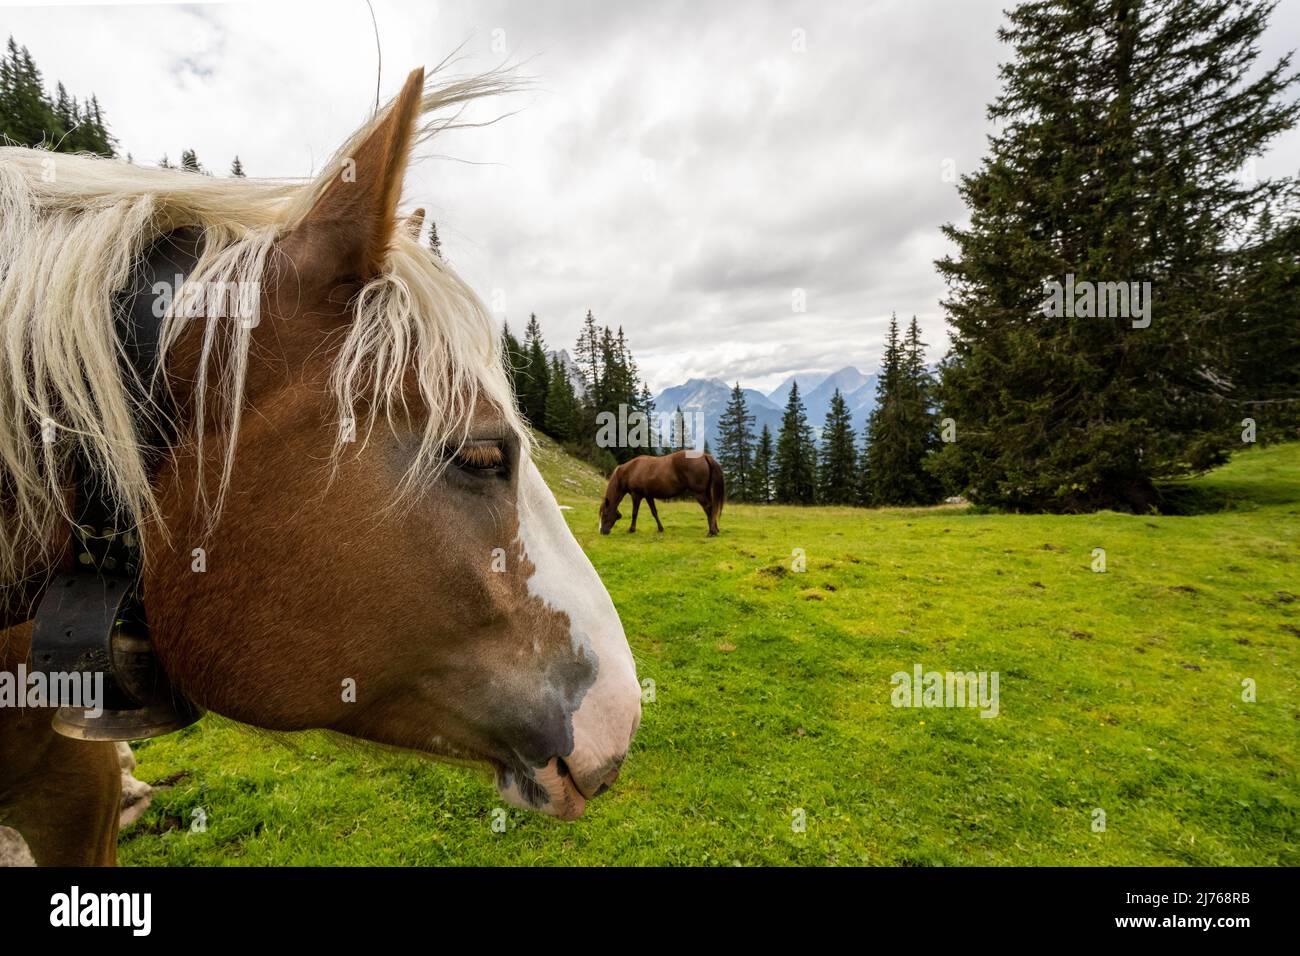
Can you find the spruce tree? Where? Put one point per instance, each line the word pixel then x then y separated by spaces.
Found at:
pixel 646 404
pixel 237 169
pixel 435 244
pixel 1122 128
pixel 678 439
pixel 96 138
pixel 736 446
pixel 65 110
pixel 764 468
pixel 587 354
pixel 561 405
pixel 921 420
pixel 887 476
pixel 862 490
pixel 837 470
pixel 512 355
pixel 796 455
pixel 536 378
pixel 27 117
pixel 1266 343
pixel 607 381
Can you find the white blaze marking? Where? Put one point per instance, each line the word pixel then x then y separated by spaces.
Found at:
pixel 562 575
pixel 565 580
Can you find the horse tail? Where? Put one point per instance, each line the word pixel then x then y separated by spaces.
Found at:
pixel 717 487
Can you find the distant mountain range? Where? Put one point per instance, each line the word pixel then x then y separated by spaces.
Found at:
pixel 571 367
pixel 709 397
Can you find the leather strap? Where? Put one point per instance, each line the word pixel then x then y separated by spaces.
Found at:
pixel 85 603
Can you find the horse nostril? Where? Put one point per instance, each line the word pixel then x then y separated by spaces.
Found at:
pixel 591 784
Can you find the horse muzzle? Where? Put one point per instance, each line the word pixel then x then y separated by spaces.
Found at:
pixel 603 728
pixel 554 788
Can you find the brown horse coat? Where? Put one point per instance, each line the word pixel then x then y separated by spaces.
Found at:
pixel 649 477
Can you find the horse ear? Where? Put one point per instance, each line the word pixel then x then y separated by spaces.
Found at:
pixel 415 222
pixel 353 222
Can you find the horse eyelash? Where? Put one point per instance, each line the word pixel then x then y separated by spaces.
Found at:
pixel 481 456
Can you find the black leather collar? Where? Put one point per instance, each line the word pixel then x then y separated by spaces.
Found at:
pixel 138 317
pixel 91 618
pixel 138 313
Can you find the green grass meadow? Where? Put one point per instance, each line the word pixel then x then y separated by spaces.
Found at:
pixel 1120 692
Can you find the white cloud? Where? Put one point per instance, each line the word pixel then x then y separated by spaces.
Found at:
pixel 679 170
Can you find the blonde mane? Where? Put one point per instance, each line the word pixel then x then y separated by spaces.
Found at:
pixel 72 229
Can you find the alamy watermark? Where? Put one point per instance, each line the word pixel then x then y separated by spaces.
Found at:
pixel 133 911
pixel 214 300
pixel 634 428
pixel 923 688
pixel 1084 299
pixel 35 689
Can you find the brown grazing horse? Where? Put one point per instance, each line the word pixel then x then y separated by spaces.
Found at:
pixel 380 558
pixel 649 477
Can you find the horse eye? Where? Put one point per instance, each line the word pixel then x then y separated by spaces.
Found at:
pixel 482 457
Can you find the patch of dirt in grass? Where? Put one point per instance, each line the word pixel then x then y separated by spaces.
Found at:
pixel 152 825
pixel 170 781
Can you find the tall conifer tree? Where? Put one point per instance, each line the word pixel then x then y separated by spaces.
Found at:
pixel 536 378
pixel 1122 128
pixel 887 469
pixel 764 472
pixel 435 244
pixel 796 455
pixel 837 470
pixel 736 446
pixel 561 405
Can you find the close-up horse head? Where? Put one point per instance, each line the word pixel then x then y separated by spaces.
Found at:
pixel 346 530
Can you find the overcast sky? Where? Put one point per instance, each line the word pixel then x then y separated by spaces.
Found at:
pixel 681 168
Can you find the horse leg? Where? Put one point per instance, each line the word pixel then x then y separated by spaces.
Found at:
pixel 655 511
pixel 636 506
pixel 68 803
pixel 63 796
pixel 707 504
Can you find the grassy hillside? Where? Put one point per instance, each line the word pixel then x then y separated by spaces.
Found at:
pixel 1119 691
pixel 575 483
